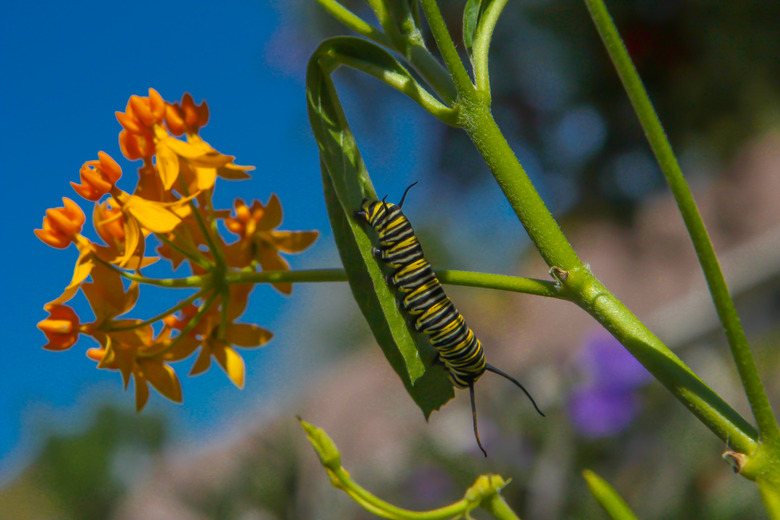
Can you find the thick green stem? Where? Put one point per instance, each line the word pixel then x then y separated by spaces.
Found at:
pixel 656 136
pixel 591 295
pixel 665 366
pixel 520 192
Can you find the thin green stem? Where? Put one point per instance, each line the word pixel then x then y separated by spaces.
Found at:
pixel 400 79
pixel 502 283
pixel 481 44
pixel 447 48
pixel 387 510
pixel 354 22
pixel 216 251
pixel 162 315
pixel 196 258
pixel 306 275
pixel 172 283
pixel 662 149
pixel 204 307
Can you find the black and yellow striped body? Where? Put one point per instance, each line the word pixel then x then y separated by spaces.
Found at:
pixel 421 294
pixel 422 297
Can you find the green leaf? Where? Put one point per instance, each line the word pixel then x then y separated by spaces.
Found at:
pixel 607 497
pixel 470 22
pixel 346 183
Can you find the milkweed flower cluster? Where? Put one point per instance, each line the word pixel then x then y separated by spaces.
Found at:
pixel 172 201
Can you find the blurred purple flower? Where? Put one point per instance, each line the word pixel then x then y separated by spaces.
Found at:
pixel 606 402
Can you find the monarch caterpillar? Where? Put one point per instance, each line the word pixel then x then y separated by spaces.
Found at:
pixel 423 298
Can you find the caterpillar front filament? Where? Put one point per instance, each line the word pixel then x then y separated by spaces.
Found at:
pixel 423 298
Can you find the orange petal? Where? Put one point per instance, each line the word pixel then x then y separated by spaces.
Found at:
pixel 51 238
pixel 202 363
pixel 142 111
pixel 109 167
pixel 272 216
pixel 234 172
pixel 129 123
pixel 61 327
pixel 156 105
pixel 271 261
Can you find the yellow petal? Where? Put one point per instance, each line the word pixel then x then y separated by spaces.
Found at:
pixel 202 363
pixel 152 215
pixel 272 214
pixel 167 165
pixel 247 335
pixel 234 172
pixel 205 178
pixel 198 153
pixel 232 363
pixel 163 378
pixel 141 392
pixel 84 265
pixel 292 241
pixel 271 261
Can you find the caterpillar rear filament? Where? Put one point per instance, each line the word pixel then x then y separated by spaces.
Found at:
pixel 423 298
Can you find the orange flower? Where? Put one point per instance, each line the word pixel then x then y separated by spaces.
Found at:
pixel 136 146
pixel 142 113
pixel 97 177
pixel 186 117
pixel 61 226
pixel 109 225
pixel 260 242
pixel 61 327
pixel 120 351
pixel 140 117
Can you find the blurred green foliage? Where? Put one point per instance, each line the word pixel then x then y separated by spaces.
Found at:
pixel 82 476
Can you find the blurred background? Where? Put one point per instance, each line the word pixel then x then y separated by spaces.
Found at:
pixel 71 444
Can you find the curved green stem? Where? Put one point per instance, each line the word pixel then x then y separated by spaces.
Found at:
pixel 481 45
pixel 484 493
pixel 740 350
pixel 447 48
pixel 377 62
pixel 354 22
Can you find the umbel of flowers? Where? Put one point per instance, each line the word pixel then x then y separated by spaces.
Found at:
pixel 172 202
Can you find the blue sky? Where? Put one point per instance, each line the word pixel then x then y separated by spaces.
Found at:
pixel 66 69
